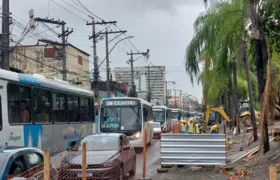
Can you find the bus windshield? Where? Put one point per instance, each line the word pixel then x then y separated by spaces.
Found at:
pixel 176 115
pixel 126 118
pixel 159 116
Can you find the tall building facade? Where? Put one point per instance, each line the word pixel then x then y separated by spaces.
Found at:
pixel 47 61
pixel 157 81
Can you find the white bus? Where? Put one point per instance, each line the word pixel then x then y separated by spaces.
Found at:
pixel 128 116
pixel 41 112
pixel 177 115
pixel 163 115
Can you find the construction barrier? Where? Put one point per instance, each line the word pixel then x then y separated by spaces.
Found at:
pixel 193 149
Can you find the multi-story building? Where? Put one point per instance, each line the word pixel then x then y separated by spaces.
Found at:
pixel 47 61
pixel 175 102
pixel 157 81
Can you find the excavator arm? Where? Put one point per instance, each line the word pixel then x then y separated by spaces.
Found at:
pixel 218 109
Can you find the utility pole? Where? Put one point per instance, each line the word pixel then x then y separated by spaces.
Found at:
pixel 64 34
pixel 183 103
pixel 180 100
pixel 107 57
pixel 94 42
pixel 166 83
pixel 64 52
pixel 107 64
pixel 131 61
pixel 5 37
pixel 132 71
pixel 149 85
pixel 175 99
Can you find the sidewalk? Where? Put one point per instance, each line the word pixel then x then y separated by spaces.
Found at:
pixel 250 167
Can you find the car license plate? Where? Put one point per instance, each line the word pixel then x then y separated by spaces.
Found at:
pixel 87 174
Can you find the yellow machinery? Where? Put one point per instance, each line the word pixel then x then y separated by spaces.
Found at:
pixel 245 115
pixel 218 109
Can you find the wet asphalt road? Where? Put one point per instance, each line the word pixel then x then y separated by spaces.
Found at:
pixel 152 159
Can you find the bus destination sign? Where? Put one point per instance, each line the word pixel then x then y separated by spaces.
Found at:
pixel 158 109
pixel 121 103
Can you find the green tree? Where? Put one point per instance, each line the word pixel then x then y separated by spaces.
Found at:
pixel 259 14
pixel 217 38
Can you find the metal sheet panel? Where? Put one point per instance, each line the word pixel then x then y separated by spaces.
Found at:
pixel 193 149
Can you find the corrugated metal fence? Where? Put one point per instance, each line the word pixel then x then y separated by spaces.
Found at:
pixel 193 149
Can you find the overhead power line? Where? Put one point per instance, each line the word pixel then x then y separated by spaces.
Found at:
pixel 90 11
pixel 69 11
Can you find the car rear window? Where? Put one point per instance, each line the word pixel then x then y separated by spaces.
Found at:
pixel 100 143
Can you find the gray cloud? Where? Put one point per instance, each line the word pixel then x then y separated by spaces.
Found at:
pixel 163 26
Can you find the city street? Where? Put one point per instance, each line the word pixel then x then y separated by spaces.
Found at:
pixel 152 159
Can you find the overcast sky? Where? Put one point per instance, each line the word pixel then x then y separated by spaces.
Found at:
pixel 163 26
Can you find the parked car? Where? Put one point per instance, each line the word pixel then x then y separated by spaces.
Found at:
pixel 156 129
pixel 108 156
pixel 26 162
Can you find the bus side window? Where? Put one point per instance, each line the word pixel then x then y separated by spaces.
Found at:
pixel 41 105
pixel 150 113
pixel 84 109
pixel 93 110
pixel 59 107
pixel 145 114
pixel 1 121
pixel 73 108
pixel 19 103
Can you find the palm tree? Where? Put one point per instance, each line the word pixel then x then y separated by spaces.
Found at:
pixel 215 39
pixel 218 35
pixel 261 48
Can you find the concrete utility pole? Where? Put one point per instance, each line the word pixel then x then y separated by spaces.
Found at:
pixel 5 37
pixel 132 71
pixel 63 35
pixel 94 42
pixel 175 99
pixel 175 90
pixel 180 100
pixel 131 61
pixel 107 65
pixel 166 83
pixel 64 52
pixel 149 85
pixel 107 57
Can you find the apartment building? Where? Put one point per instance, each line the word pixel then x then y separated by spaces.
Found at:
pixel 47 61
pixel 157 81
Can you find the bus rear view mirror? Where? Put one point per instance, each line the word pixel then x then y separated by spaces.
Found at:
pixel 70 145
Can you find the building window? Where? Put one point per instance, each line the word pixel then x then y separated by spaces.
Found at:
pixel 49 52
pixel 80 60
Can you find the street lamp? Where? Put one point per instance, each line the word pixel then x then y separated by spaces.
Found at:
pixel 128 37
